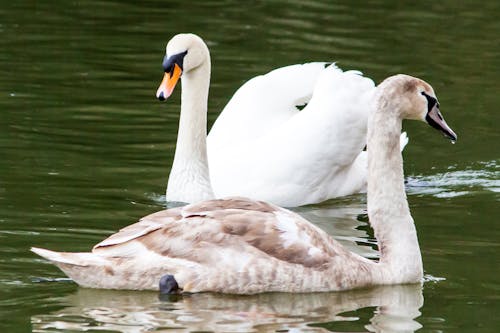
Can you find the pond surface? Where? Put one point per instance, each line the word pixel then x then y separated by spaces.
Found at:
pixel 85 149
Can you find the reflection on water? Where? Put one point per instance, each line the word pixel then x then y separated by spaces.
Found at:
pixel 382 309
pixel 346 220
pixel 482 176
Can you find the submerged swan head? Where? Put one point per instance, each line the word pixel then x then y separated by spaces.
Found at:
pixel 413 98
pixel 184 54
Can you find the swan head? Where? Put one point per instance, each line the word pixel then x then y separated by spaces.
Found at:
pixel 414 99
pixel 184 54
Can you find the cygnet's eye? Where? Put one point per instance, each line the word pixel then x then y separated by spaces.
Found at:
pixel 431 101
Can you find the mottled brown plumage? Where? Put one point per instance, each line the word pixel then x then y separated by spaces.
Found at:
pixel 233 245
pixel 224 222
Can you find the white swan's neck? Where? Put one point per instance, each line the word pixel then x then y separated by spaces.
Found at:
pixel 189 179
pixel 388 211
pixel 191 139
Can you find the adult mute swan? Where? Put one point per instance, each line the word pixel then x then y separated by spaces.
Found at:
pixel 261 145
pixel 237 245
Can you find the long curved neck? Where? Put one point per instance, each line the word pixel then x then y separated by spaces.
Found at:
pixel 388 210
pixel 191 138
pixel 189 179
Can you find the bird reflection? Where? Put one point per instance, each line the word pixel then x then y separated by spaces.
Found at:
pixel 389 309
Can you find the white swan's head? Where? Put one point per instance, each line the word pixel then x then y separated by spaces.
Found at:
pixel 414 99
pixel 184 53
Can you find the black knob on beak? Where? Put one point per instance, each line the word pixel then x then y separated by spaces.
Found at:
pixel 161 97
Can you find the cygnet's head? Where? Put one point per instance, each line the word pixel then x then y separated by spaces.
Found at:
pixel 184 53
pixel 414 99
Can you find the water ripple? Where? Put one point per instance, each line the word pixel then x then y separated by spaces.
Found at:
pixel 482 176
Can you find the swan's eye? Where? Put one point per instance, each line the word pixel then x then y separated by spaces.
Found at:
pixel 170 61
pixel 168 64
pixel 431 101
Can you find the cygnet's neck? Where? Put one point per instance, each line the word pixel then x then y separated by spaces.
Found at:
pixel 389 215
pixel 189 179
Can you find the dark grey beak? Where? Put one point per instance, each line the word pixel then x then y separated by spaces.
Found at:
pixel 436 120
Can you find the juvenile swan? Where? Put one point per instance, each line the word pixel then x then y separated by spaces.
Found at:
pixel 241 246
pixel 261 146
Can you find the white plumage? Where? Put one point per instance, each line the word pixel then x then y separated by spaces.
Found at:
pixel 261 145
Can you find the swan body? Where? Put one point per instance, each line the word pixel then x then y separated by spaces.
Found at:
pixel 242 246
pixel 261 145
pixel 291 157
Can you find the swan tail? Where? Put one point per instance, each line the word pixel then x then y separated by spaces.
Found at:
pixel 92 270
pixel 403 140
pixel 85 269
pixel 70 258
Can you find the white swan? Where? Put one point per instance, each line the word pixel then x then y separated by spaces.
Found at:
pixel 189 179
pixel 241 246
pixel 261 145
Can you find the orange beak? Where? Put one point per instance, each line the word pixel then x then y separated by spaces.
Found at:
pixel 168 83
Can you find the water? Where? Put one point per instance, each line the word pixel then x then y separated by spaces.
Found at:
pixel 85 149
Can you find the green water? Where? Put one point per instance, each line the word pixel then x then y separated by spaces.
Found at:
pixel 85 149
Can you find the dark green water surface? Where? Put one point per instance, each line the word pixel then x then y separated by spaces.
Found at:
pixel 85 149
